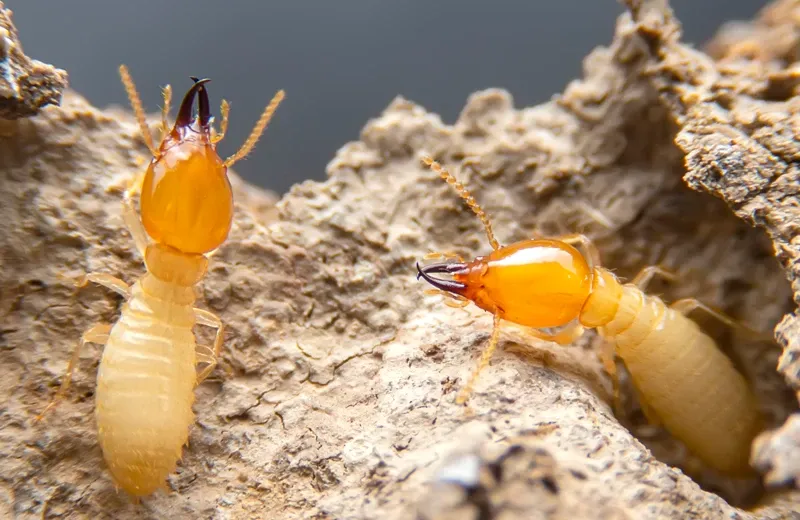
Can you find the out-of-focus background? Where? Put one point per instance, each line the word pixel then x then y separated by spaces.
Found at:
pixel 340 61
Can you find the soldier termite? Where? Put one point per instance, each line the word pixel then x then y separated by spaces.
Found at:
pixel 148 371
pixel 684 381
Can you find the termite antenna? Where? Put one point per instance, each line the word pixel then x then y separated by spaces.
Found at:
pixel 224 109
pixel 485 358
pixel 166 93
pixel 464 193
pixel 138 110
pixel 184 117
pixel 255 135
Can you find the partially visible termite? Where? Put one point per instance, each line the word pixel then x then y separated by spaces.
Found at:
pixel 149 367
pixel 684 381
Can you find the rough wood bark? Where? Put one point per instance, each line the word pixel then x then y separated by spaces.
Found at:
pixel 26 85
pixel 335 398
pixel 740 131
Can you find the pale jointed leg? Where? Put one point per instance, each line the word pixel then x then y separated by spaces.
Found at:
pixel 587 210
pixel 134 225
pixel 129 214
pixel 444 255
pixel 205 354
pixel 135 185
pixel 565 336
pixel 649 413
pixel 484 361
pixel 646 275
pixel 608 359
pixel 582 242
pixel 687 305
pixel 596 215
pixel 97 334
pixel 107 281
pixel 455 301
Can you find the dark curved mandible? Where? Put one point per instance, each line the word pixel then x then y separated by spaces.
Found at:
pixel 204 108
pixel 445 285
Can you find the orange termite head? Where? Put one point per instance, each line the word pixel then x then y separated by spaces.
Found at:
pixel 187 201
pixel 535 283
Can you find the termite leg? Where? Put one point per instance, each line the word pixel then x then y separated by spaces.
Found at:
pixel 588 210
pixel 106 280
pixel 134 225
pixel 445 255
pixel 596 215
pixel 457 302
pixel 484 361
pixel 205 355
pixel 608 359
pixel 135 185
pixel 687 305
pixel 647 410
pixel 451 300
pixel 97 334
pixel 646 275
pixel 582 242
pixel 209 319
pixel 563 337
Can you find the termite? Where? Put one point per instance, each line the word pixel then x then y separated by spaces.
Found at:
pixel 151 363
pixel 685 383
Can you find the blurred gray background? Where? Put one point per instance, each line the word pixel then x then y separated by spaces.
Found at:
pixel 340 61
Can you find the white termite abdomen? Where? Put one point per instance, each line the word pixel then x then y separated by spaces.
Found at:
pixel 145 386
pixel 686 380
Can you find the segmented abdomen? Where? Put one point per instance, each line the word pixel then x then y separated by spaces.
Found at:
pixel 686 381
pixel 145 392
